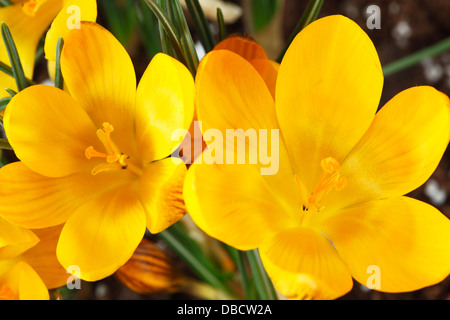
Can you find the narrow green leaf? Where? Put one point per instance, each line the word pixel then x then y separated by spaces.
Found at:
pixel 309 15
pixel 240 260
pixel 221 24
pixel 4 144
pixel 8 70
pixel 201 24
pixel 148 23
pixel 11 92
pixel 4 102
pixel 120 18
pixel 187 44
pixel 59 81
pixel 14 59
pixel 416 57
pixel 167 27
pixel 263 283
pixel 184 246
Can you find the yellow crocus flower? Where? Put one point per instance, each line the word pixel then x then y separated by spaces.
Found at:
pixel 28 263
pixel 96 160
pixel 28 20
pixel 336 209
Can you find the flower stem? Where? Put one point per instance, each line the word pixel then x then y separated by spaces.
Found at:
pixel 263 283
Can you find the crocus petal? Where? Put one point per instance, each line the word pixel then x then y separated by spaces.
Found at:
pixel 42 258
pixel 100 75
pixel 401 149
pixel 26 31
pixel 238 98
pixel 244 46
pixel 407 241
pixel 328 90
pixel 165 103
pixel 161 193
pixel 50 131
pixel 35 201
pixel 251 51
pixel 102 234
pixel 303 264
pixel 14 240
pixel 268 70
pixel 66 20
pixel 235 204
pixel 25 283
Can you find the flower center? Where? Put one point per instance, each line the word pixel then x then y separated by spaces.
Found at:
pixel 331 179
pixel 115 160
pixel 6 293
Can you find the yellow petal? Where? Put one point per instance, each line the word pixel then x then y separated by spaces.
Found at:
pixel 303 264
pixel 165 103
pixel 42 258
pixel 401 149
pixel 231 94
pixel 35 201
pixel 251 51
pixel 268 70
pixel 244 46
pixel 328 90
pixel 26 31
pixel 237 105
pixel 50 131
pixel 99 74
pixel 102 234
pixel 404 241
pixel 14 240
pixel 235 204
pixel 31 286
pixel 25 283
pixel 161 190
pixel 74 11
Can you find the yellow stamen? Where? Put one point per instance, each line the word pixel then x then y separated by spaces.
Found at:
pixel 331 178
pixel 115 160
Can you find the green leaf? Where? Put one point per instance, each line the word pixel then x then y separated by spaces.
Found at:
pixel 309 15
pixel 14 59
pixel 187 44
pixel 262 281
pixel 4 144
pixel 263 11
pixel 4 102
pixel 201 24
pixel 148 24
pixel 191 253
pixel 416 57
pixel 221 24
pixel 168 30
pixel 8 70
pixel 11 92
pixel 120 16
pixel 59 81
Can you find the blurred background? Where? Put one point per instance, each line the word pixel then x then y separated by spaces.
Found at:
pixel 406 26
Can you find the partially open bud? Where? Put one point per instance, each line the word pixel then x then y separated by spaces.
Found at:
pixel 150 271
